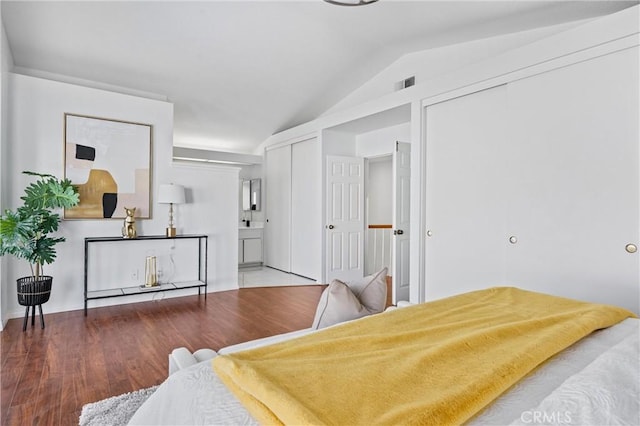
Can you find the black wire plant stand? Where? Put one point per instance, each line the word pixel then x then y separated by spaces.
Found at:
pixel 32 292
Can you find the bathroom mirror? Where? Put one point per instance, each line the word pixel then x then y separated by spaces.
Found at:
pixel 251 196
pixel 246 195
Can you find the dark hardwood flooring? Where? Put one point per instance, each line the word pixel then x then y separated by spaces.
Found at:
pixel 48 375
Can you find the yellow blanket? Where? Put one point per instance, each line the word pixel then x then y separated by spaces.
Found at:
pixel 434 364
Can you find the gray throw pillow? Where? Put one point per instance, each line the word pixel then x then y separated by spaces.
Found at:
pixel 343 302
pixel 337 304
pixel 371 291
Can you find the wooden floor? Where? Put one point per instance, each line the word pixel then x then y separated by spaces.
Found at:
pixel 48 375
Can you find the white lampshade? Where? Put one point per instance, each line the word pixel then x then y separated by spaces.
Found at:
pixel 169 193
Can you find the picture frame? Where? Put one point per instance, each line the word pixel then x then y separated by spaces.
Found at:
pixel 109 161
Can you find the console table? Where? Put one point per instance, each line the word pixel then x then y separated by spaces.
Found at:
pixel 200 283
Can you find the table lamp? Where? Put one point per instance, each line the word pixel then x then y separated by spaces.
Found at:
pixel 171 194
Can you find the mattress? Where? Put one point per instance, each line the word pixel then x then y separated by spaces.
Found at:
pixel 595 381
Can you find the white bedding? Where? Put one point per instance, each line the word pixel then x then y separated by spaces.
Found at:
pixel 593 382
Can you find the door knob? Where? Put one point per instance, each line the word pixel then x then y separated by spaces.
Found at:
pixel 398 232
pixel 330 227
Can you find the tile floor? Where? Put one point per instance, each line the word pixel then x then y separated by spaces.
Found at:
pixel 263 276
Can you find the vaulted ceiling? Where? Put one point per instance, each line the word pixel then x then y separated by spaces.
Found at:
pixel 239 71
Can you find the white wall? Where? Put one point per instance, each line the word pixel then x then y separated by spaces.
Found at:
pixel 35 142
pixel 379 191
pixel 428 64
pixel 211 197
pixel 6 65
pixel 382 141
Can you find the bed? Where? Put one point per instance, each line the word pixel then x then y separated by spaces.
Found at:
pixel 593 379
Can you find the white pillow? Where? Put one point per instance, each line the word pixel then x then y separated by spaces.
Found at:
pixel 337 304
pixel 371 291
pixel 341 302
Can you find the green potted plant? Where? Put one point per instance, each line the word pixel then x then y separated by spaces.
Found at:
pixel 24 233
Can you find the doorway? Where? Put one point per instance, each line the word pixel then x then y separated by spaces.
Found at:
pixel 387 217
pixel 378 213
pixel 368 217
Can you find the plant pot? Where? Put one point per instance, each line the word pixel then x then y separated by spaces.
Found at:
pixel 32 291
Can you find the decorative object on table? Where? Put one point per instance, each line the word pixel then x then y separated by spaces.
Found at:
pixel 24 233
pixel 129 228
pixel 171 194
pixel 110 163
pixel 150 272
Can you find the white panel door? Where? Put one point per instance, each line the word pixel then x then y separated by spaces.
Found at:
pixel 575 183
pixel 401 220
pixel 465 203
pixel 306 214
pixel 277 229
pixel 345 218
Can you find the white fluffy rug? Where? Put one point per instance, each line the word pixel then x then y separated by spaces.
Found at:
pixel 114 411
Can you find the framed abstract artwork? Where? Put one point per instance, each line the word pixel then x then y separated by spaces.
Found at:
pixel 109 161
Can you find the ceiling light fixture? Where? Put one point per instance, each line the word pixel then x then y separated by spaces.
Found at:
pixel 350 2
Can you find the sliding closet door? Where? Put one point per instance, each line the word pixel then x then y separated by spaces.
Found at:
pixel 574 194
pixel 465 203
pixel 277 230
pixel 306 213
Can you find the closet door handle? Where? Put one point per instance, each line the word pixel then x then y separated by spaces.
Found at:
pixel 330 226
